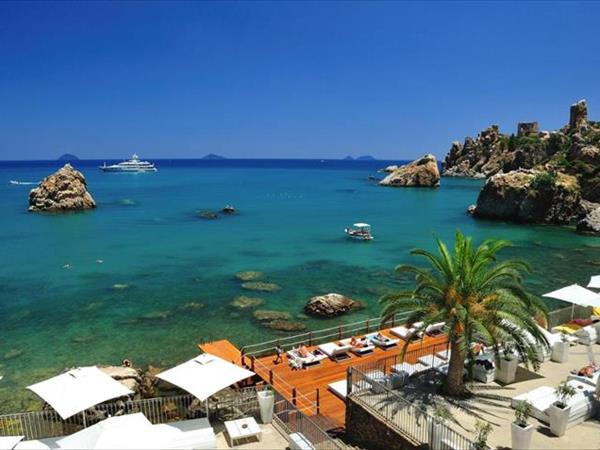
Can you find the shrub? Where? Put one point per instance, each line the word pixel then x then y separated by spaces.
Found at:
pixel 564 392
pixel 544 180
pixel 522 413
pixel 482 431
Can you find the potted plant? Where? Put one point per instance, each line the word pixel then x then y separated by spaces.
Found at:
pixel 506 369
pixel 440 415
pixel 560 350
pixel 560 410
pixel 482 431
pixel 520 430
pixel 266 404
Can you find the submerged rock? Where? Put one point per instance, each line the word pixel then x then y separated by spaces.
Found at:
pixel 208 215
pixel 120 286
pixel 285 325
pixel 249 275
pixel 243 302
pixel 156 315
pixel 269 315
pixel 64 190
pixel 191 306
pixel 330 305
pixel 14 353
pixel 423 172
pixel 261 286
pixel 590 223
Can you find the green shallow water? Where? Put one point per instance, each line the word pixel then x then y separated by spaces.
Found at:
pixel 147 234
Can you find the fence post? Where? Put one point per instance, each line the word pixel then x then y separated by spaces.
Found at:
pixel 393 320
pixel 271 377
pixel 252 362
pixel 367 327
pixel 349 383
pixel 339 333
pixel 318 402
pixel 310 338
pixel 294 396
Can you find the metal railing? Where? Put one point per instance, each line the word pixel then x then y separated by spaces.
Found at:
pixel 413 422
pixel 563 315
pixel 291 420
pixel 321 336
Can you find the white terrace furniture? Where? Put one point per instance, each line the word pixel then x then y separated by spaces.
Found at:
pixel 587 335
pixel 242 429
pixel 186 434
pixel 582 403
pixel 408 369
pixel 432 360
pixel 435 328
pixel 335 351
pixel 309 360
pixel 381 341
pixel 363 346
pixel 299 442
pixel 444 354
pixel 407 333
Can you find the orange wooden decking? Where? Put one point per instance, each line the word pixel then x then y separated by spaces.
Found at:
pixel 306 383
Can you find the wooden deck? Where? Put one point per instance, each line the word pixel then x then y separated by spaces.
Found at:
pixel 305 386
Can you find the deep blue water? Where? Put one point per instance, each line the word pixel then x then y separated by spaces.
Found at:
pixel 179 269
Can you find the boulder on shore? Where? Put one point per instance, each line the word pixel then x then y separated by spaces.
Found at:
pixel 330 305
pixel 422 172
pixel 590 222
pixel 64 190
pixel 530 196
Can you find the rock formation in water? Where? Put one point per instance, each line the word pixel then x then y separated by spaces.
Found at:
pixel 536 176
pixel 530 196
pixel 589 220
pixel 422 172
pixel 64 190
pixel 330 305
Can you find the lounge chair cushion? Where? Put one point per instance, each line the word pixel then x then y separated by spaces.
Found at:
pixel 332 349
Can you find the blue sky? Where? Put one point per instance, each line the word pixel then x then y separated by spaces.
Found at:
pixel 288 80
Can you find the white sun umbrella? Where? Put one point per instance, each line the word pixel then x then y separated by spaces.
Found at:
pixel 576 295
pixel 131 431
pixel 594 282
pixel 9 442
pixel 79 389
pixel 205 375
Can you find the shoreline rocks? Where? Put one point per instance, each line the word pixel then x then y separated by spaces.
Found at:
pixel 261 286
pixel 249 275
pixel 331 305
pixel 422 172
pixel 243 302
pixel 64 190
pixel 529 196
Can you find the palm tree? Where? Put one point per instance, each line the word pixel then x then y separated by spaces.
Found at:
pixel 479 298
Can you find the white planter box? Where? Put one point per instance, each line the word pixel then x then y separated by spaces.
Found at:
pixel 560 352
pixel 559 417
pixel 520 437
pixel 266 403
pixel 506 370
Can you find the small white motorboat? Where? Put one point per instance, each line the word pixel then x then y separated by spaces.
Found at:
pixel 360 231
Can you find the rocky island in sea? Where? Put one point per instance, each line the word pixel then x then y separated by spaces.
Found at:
pixel 64 190
pixel 422 172
pixel 535 176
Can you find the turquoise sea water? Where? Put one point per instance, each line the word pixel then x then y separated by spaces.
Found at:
pixel 149 237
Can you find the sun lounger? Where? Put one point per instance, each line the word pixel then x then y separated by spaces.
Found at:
pixel 409 369
pixel 298 441
pixel 582 403
pixel 592 381
pixel 366 347
pixel 434 329
pixel 553 338
pixel 335 351
pixel 339 388
pixel 405 333
pixel 309 360
pixel 444 354
pixel 385 343
pixel 567 328
pixel 432 360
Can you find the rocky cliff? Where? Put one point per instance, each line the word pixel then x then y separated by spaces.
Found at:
pixel 534 176
pixel 423 172
pixel 64 190
pixel 573 150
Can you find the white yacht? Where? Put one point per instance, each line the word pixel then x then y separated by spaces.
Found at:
pixel 132 165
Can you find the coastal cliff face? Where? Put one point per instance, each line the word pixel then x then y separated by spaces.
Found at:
pixel 423 172
pixel 534 176
pixel 64 190
pixel 530 196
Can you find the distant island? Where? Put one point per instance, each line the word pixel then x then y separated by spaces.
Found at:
pixel 360 158
pixel 68 157
pixel 212 156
